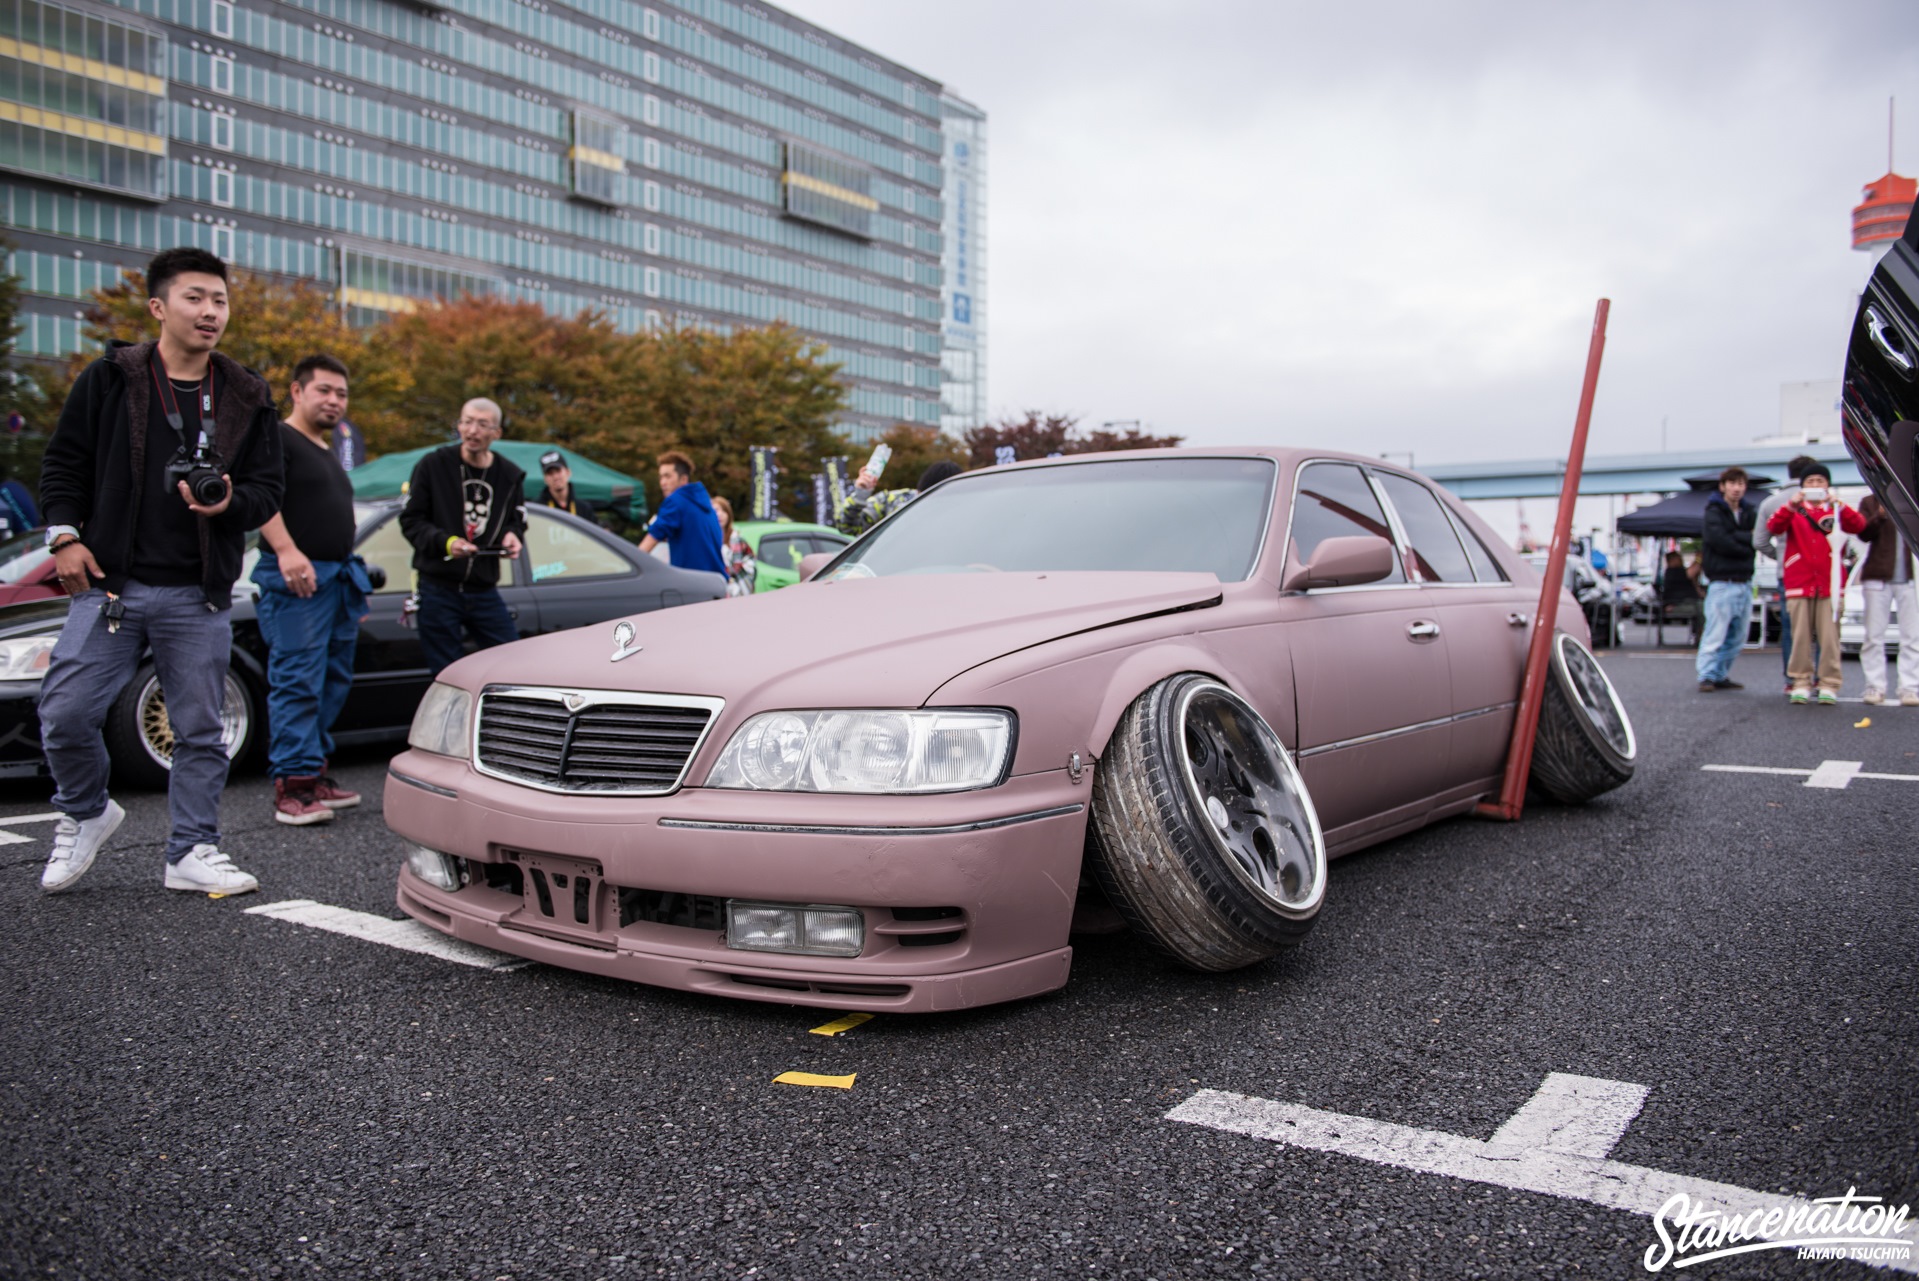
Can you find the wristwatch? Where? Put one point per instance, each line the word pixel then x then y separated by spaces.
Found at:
pixel 57 532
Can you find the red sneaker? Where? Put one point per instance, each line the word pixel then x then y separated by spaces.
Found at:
pixel 295 803
pixel 332 795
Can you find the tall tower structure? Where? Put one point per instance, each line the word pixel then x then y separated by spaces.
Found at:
pixel 1880 218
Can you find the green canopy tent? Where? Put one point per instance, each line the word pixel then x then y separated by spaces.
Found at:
pixel 602 486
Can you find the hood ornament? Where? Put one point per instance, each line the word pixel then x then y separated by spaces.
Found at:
pixel 574 702
pixel 623 646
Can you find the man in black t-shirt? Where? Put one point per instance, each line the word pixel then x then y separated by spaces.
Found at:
pixel 312 597
pixel 465 511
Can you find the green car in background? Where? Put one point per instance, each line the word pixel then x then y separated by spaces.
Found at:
pixel 778 546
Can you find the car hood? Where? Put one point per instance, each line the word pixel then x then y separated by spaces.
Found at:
pixel 874 642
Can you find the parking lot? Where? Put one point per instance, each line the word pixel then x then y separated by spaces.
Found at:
pixel 195 1089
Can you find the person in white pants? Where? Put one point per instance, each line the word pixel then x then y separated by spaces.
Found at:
pixel 1886 577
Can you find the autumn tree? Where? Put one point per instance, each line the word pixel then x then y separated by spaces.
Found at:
pixel 272 325
pixel 556 378
pixel 1036 434
pixel 915 448
pixel 715 396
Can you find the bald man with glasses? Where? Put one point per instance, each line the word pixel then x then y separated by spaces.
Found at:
pixel 465 511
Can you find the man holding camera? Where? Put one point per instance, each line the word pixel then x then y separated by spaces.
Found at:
pixel 312 597
pixel 1811 579
pixel 165 455
pixel 465 509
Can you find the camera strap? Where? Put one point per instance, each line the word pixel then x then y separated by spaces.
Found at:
pixel 170 405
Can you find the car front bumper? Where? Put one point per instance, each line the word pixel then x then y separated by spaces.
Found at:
pixel 966 898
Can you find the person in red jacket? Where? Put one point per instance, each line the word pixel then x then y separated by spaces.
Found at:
pixel 1807 521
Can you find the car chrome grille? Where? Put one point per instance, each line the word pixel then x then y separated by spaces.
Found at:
pixel 590 740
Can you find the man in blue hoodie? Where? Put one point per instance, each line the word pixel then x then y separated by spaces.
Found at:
pixel 686 520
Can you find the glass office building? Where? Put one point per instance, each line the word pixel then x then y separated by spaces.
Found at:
pixel 699 162
pixel 963 264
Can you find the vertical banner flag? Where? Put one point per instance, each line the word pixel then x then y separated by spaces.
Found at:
pixel 822 505
pixel 766 493
pixel 1002 455
pixel 349 446
pixel 837 482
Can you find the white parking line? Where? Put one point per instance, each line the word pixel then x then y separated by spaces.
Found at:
pixel 1836 775
pixel 1556 1145
pixel 14 838
pixel 407 935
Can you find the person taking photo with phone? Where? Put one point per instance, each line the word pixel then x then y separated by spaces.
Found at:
pixel 465 510
pixel 1810 575
pixel 165 455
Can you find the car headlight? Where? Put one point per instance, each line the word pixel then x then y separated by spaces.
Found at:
pixel 867 752
pixel 442 723
pixel 25 658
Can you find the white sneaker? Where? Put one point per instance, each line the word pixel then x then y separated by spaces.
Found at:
pixel 1874 697
pixel 76 844
pixel 208 870
pixel 1909 698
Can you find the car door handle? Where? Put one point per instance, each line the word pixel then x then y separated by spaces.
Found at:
pixel 1422 630
pixel 1876 330
pixel 1516 619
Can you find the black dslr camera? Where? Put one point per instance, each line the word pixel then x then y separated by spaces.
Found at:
pixel 201 471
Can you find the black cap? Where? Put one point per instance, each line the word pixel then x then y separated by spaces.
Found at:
pixel 550 459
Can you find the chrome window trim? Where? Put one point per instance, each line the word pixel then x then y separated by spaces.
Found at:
pixel 1374 474
pixel 1384 734
pixel 808 829
pixel 593 698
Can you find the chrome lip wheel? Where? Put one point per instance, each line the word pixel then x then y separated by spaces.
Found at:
pixel 156 731
pixel 1240 777
pixel 1596 697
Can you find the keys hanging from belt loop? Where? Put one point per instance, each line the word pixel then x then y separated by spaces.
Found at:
pixel 116 609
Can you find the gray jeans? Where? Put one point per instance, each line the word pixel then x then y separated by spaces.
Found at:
pixel 89 667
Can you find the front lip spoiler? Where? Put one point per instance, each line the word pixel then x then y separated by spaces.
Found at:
pixel 800 829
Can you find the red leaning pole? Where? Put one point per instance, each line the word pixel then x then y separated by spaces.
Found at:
pixel 1532 692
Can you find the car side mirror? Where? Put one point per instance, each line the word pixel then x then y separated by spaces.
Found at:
pixel 813 562
pixel 1344 562
pixel 376 577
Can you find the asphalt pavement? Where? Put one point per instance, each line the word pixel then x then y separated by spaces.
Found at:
pixel 191 1091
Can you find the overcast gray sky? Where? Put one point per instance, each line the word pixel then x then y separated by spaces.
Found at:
pixel 1384 226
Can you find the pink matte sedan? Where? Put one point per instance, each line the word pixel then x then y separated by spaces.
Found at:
pixel 1170 682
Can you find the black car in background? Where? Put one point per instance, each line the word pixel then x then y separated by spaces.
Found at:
pixel 1881 400
pixel 570 574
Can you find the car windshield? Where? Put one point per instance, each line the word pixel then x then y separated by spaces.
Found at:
pixel 21 555
pixel 1192 515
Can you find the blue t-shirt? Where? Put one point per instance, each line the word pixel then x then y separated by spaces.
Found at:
pixel 688 523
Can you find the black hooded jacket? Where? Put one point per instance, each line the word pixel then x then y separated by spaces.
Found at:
pixel 1729 540
pixel 91 475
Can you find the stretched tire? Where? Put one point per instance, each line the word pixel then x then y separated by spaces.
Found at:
pixel 1585 745
pixel 140 738
pixel 1206 840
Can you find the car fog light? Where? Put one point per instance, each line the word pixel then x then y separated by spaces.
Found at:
pixel 433 867
pixel 800 931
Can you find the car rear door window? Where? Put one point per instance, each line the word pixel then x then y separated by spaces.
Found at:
pixel 1336 502
pixel 783 551
pixel 1437 555
pixel 387 548
pixel 560 550
pixel 1484 566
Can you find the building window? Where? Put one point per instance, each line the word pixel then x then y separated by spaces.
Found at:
pixel 222 75
pixel 651 238
pixel 650 195
pixel 827 190
pixel 650 109
pixel 650 152
pixel 652 288
pixel 595 156
pixel 223 188
pixel 222 18
pixel 654 320
pixel 223 243
pixel 650 24
pixel 650 68
pixel 223 131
